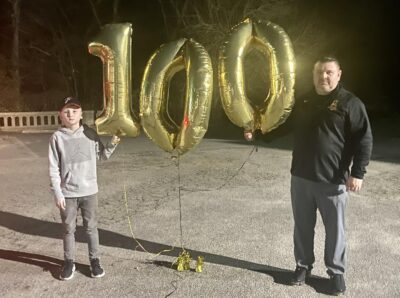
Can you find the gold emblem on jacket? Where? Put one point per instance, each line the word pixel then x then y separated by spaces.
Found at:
pixel 333 105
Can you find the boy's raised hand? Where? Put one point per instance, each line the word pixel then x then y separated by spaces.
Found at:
pixel 115 140
pixel 248 135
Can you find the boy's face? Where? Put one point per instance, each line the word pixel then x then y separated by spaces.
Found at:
pixel 70 116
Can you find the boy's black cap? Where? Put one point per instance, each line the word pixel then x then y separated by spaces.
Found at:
pixel 70 101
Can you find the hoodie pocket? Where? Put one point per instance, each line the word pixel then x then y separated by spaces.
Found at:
pixel 69 183
pixel 66 179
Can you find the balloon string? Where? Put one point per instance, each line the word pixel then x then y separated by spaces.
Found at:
pixel 254 149
pixel 180 199
pixel 129 221
pixel 180 188
pixel 129 217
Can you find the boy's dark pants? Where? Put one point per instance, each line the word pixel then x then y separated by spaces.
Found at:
pixel 88 206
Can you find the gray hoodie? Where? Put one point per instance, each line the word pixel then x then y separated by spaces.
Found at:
pixel 72 161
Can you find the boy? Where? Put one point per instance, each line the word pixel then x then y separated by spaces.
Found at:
pixel 73 152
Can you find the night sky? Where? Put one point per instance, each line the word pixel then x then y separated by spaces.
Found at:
pixel 366 34
pixel 362 34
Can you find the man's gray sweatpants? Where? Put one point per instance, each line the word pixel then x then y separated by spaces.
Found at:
pixel 330 200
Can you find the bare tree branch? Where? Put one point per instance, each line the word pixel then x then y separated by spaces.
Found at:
pixel 115 10
pixel 39 50
pixel 15 59
pixel 164 16
pixel 94 11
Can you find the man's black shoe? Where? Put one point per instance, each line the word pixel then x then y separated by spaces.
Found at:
pixel 300 275
pixel 338 286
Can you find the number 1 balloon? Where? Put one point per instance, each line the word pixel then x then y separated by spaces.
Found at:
pixel 113 46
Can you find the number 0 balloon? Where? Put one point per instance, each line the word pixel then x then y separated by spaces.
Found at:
pixel 271 40
pixel 165 62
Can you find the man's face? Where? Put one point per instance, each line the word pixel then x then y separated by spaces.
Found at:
pixel 326 77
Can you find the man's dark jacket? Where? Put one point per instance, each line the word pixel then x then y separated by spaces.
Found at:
pixel 331 133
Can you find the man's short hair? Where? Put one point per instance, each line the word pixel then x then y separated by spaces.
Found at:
pixel 328 58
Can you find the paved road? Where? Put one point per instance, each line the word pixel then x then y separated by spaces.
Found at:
pixel 226 202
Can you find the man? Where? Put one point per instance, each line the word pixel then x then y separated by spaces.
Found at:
pixel 331 133
pixel 332 147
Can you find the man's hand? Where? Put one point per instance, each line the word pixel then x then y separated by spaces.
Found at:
pixel 60 203
pixel 248 135
pixel 353 184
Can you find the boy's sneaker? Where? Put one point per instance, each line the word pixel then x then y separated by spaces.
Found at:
pixel 97 270
pixel 67 271
pixel 300 275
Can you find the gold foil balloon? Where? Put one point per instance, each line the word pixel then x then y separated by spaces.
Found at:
pixel 164 63
pixel 273 42
pixel 113 45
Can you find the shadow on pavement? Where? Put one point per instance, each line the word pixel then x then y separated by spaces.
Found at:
pixel 320 284
pixel 36 227
pixel 49 264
